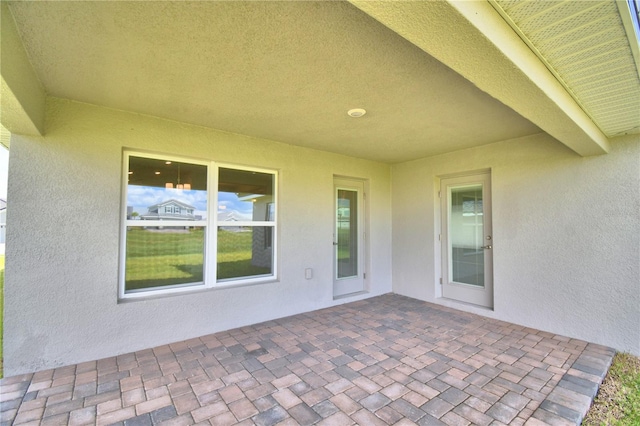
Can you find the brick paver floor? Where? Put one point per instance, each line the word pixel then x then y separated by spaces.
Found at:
pixel 385 360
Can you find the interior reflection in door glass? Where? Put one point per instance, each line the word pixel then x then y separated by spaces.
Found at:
pixel 347 232
pixel 466 234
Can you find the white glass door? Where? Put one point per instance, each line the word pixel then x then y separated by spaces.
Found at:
pixel 467 242
pixel 348 237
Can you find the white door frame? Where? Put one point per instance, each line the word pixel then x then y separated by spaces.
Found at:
pixel 355 282
pixel 481 244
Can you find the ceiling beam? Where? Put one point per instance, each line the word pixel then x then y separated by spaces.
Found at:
pixel 471 38
pixel 22 98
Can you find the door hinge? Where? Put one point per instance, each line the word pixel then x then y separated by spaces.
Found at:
pixel 439 237
pixel 364 276
pixel 440 280
pixel 439 194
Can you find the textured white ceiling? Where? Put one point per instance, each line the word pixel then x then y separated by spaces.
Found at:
pixel 286 71
pixel 584 43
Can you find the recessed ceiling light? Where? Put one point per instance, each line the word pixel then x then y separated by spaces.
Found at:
pixel 157 173
pixel 167 162
pixel 356 112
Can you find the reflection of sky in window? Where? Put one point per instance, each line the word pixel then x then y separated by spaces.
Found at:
pixel 143 197
pixel 228 203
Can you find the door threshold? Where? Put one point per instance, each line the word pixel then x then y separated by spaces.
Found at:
pixel 345 296
pixel 473 305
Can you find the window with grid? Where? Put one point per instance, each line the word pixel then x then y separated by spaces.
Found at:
pixel 171 240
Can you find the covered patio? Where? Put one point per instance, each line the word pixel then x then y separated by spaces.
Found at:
pixel 384 360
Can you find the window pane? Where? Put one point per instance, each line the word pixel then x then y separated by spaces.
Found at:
pixel 347 224
pixel 166 190
pixel 163 256
pixel 245 196
pixel 466 234
pixel 244 251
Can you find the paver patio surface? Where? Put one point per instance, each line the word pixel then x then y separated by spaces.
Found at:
pixel 381 361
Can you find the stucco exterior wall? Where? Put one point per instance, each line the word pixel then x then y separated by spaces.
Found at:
pixel 61 282
pixel 566 236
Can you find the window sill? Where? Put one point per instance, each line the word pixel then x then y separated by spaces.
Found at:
pixel 183 291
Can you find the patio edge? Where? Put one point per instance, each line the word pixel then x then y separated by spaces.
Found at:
pixel 572 397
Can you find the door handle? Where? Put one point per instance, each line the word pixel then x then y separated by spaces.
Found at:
pixel 486 247
pixel 335 244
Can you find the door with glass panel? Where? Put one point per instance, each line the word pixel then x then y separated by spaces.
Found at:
pixel 348 237
pixel 466 236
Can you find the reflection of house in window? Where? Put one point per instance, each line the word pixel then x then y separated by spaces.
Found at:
pixel 344 213
pixel 170 210
pixel 232 216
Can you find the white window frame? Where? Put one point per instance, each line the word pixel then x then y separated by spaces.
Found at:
pixel 210 224
pixel 212 261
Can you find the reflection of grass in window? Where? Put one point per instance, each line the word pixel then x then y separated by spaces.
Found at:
pixel 157 258
pixel 234 254
pixel 163 257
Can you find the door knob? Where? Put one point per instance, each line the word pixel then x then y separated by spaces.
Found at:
pixel 486 247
